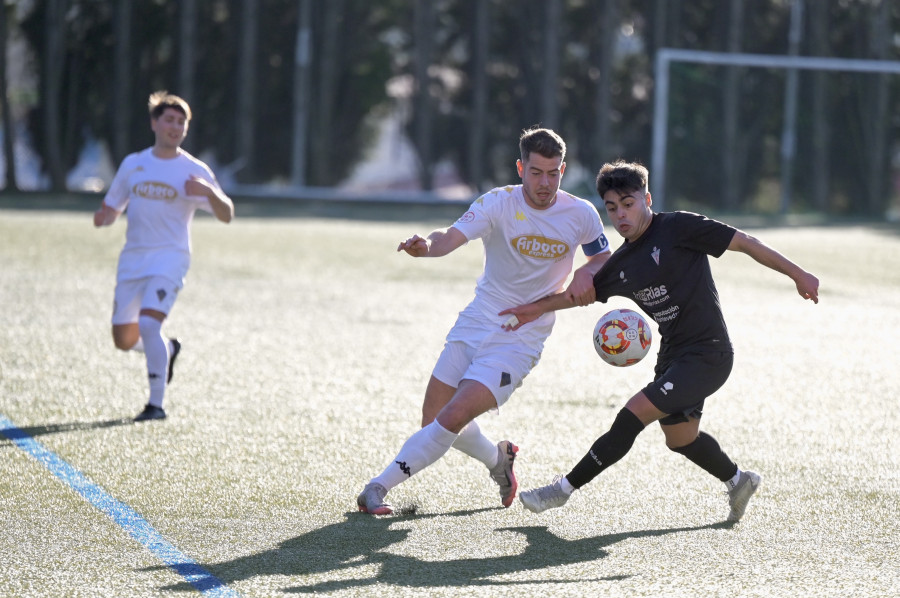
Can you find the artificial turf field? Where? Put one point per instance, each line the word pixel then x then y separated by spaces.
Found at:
pixel 307 344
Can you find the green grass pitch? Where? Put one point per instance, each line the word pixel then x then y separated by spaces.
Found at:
pixel 307 345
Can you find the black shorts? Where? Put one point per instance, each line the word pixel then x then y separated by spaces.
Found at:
pixel 682 383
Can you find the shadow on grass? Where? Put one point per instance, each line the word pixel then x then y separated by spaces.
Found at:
pixel 336 550
pixel 7 436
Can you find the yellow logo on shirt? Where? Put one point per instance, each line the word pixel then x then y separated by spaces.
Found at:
pixel 521 215
pixel 153 190
pixel 540 247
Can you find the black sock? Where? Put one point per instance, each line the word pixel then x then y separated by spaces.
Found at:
pixel 707 453
pixel 607 449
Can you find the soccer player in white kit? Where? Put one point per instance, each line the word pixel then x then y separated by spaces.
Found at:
pixel 530 233
pixel 162 186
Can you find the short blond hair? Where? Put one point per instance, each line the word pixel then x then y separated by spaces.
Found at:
pixel 160 100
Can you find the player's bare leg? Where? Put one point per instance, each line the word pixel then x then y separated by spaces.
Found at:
pixel 497 457
pixel 427 445
pixel 126 336
pixel 470 400
pixel 437 395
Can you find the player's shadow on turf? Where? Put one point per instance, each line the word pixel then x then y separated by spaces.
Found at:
pixel 345 545
pixel 542 551
pixel 33 431
pixel 350 548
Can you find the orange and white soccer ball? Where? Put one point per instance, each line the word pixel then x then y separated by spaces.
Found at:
pixel 622 337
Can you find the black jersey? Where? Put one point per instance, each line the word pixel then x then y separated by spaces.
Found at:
pixel 666 272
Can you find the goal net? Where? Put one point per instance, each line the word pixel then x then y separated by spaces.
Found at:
pixel 775 134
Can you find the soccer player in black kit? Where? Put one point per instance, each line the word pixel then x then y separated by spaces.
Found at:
pixel 663 266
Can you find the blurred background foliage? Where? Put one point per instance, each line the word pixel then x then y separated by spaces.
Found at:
pixel 298 92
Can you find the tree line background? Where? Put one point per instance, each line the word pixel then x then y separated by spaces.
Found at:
pixel 290 90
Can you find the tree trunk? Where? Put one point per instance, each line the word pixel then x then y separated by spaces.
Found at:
pixel 821 129
pixel 602 52
pixel 878 110
pixel 550 86
pixel 424 36
pixel 9 152
pixel 329 68
pixel 245 138
pixel 302 61
pixel 121 101
pixel 731 142
pixel 55 56
pixel 480 49
pixel 789 127
pixel 187 38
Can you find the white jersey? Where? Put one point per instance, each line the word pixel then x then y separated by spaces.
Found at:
pixel 158 238
pixel 528 253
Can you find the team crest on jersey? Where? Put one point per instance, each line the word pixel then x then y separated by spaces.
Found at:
pixel 655 255
pixel 540 247
pixel 467 217
pixel 155 190
pixel 520 215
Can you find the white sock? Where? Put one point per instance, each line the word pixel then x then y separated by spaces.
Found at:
pixel 418 452
pixel 730 484
pixel 566 486
pixel 138 346
pixel 156 349
pixel 474 443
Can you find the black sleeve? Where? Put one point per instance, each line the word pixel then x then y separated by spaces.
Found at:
pixel 703 234
pixel 604 279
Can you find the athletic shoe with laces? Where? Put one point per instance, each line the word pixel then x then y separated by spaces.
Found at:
pixel 739 496
pixel 371 500
pixel 176 349
pixel 502 472
pixel 150 412
pixel 546 497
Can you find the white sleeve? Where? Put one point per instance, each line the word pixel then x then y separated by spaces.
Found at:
pixel 118 194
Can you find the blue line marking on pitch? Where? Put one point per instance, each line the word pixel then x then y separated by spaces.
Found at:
pixel 123 515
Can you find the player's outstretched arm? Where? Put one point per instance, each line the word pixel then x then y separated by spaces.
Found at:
pixel 438 243
pixel 530 312
pixel 105 215
pixel 221 204
pixel 581 289
pixel 807 284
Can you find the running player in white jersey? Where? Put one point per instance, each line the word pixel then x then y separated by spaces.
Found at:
pixel 162 186
pixel 530 233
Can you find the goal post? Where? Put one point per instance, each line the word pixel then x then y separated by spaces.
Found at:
pixel 666 56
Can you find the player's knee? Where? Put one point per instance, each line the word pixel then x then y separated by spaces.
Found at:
pixel 686 446
pixel 124 342
pixel 677 449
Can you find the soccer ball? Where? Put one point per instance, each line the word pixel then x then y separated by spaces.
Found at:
pixel 622 337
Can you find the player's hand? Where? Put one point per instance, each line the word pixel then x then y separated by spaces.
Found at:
pixel 105 216
pixel 521 315
pixel 197 187
pixel 581 290
pixel 415 246
pixel 808 287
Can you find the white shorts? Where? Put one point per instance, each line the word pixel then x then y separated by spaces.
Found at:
pixel 490 356
pixel 155 292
